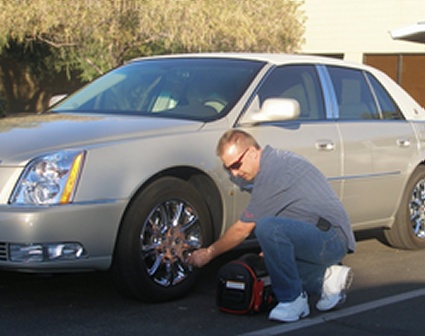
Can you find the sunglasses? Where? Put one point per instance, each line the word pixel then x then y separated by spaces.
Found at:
pixel 238 163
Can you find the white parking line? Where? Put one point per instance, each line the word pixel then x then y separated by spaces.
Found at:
pixel 305 323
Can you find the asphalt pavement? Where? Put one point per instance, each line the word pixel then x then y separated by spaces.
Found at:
pixel 387 298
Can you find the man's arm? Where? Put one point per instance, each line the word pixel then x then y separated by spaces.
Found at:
pixel 235 235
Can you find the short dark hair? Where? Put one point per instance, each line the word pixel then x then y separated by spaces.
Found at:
pixel 238 137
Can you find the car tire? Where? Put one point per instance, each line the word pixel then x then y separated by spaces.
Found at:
pixel 163 224
pixel 408 230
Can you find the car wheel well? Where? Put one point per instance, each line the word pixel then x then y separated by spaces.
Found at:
pixel 203 184
pixel 407 231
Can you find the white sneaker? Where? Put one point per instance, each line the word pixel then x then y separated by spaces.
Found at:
pixel 291 311
pixel 335 284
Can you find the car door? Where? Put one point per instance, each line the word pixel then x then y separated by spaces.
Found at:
pixel 312 135
pixel 378 145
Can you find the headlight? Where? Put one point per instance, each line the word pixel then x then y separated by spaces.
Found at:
pixel 49 179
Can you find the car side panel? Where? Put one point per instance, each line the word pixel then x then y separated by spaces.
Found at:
pixel 377 159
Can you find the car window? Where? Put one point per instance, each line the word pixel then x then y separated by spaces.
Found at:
pixel 388 107
pixel 185 88
pixel 353 94
pixel 299 82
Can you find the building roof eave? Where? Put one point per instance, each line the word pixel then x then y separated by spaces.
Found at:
pixel 412 33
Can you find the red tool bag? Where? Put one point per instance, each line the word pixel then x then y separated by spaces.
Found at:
pixel 244 286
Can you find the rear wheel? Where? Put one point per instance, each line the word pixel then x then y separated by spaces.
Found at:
pixel 164 223
pixel 408 231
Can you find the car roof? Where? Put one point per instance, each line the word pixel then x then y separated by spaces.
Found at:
pixel 272 58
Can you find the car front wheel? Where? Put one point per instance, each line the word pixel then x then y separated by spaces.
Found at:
pixel 408 230
pixel 163 224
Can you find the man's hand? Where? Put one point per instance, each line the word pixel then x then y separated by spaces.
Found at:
pixel 235 235
pixel 201 257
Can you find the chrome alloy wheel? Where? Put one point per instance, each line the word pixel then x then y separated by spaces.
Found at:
pixel 169 234
pixel 417 209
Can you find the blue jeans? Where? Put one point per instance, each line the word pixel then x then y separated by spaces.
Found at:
pixel 297 255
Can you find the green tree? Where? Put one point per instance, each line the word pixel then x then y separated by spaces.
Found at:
pixel 93 36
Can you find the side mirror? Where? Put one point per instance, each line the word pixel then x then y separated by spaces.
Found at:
pixel 273 109
pixel 56 99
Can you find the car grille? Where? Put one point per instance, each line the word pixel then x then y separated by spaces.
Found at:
pixel 3 252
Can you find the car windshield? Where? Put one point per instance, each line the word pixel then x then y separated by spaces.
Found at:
pixel 189 88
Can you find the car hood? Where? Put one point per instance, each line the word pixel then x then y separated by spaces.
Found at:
pixel 22 138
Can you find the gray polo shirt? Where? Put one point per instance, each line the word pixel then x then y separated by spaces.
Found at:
pixel 289 186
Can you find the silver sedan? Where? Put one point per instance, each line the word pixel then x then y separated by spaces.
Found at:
pixel 122 174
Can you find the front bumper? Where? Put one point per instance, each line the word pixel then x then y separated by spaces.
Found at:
pixel 94 226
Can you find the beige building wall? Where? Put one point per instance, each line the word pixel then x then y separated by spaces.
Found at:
pixel 357 27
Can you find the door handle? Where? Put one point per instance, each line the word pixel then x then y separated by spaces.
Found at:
pixel 403 142
pixel 325 145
